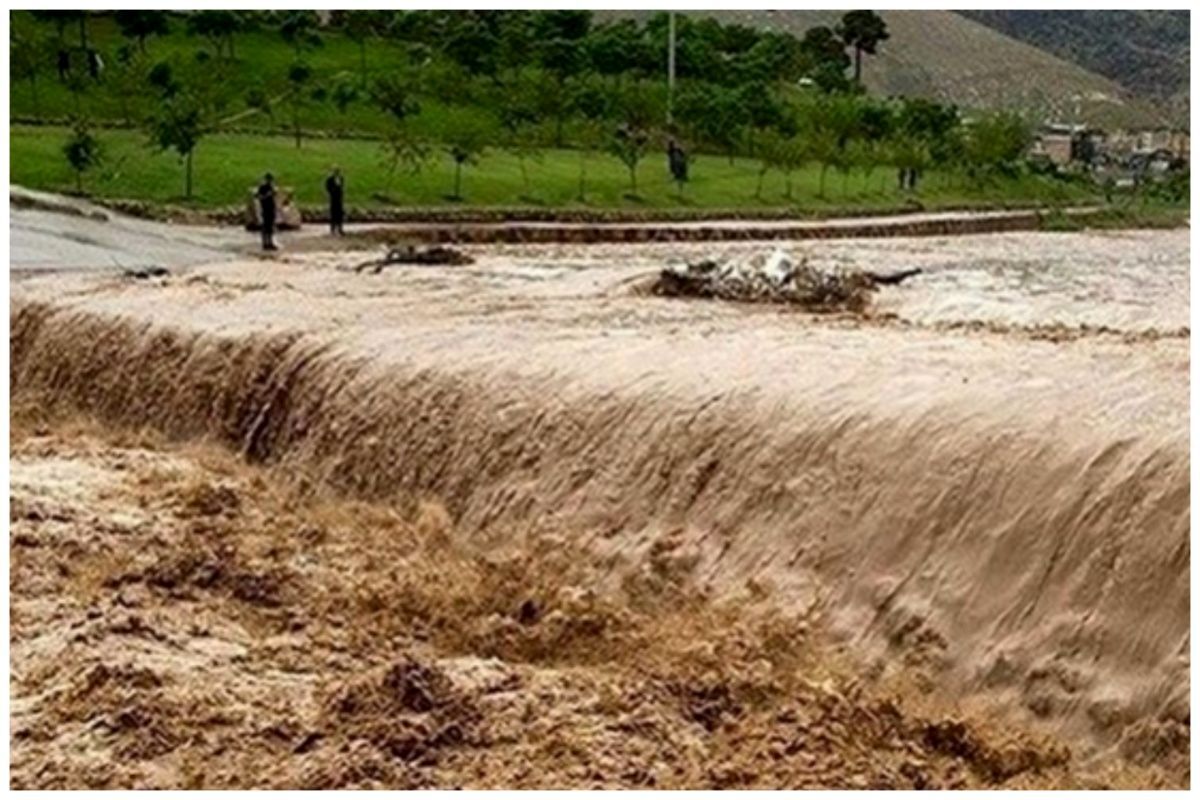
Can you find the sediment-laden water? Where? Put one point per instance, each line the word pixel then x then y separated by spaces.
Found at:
pixel 986 477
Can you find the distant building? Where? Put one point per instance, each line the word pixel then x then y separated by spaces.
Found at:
pixel 1123 145
pixel 1063 144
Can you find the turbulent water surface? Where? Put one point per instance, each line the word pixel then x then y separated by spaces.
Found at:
pixel 987 475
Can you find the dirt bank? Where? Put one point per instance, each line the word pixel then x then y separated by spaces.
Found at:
pixel 182 621
pixel 1007 513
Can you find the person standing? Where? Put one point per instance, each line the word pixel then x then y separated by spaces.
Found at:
pixel 266 211
pixel 677 162
pixel 335 187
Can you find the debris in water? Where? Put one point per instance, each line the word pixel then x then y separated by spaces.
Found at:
pixel 775 278
pixel 145 273
pixel 425 256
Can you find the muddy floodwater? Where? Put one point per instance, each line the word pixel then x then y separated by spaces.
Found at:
pixel 956 524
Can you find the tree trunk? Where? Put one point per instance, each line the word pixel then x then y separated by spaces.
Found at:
pixel 187 180
pixel 37 105
pixel 83 40
pixel 582 177
pixel 762 173
pixel 457 180
pixel 633 180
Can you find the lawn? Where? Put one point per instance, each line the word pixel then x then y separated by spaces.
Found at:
pixel 261 62
pixel 228 165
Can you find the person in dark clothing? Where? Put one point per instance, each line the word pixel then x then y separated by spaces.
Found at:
pixel 335 187
pixel 677 162
pixel 64 64
pixel 95 64
pixel 266 211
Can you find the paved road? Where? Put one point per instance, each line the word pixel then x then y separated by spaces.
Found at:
pixel 53 233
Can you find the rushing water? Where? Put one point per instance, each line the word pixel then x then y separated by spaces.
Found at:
pixel 1128 280
pixel 1014 507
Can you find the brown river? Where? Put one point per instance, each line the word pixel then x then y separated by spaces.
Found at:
pixel 988 475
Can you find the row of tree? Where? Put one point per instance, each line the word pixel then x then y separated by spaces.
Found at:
pixel 534 79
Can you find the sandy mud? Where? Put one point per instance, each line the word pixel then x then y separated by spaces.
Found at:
pixel 977 491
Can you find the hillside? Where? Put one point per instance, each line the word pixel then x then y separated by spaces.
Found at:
pixel 943 55
pixel 1147 52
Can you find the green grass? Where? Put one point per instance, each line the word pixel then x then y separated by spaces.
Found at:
pixel 228 165
pixel 1129 213
pixel 262 60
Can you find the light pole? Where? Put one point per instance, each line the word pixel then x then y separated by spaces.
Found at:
pixel 670 65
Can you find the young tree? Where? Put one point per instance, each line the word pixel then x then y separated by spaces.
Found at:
pixel 359 27
pixel 218 27
pixel 140 25
pixel 299 76
pixel 629 144
pixel 784 151
pixel 402 149
pixel 394 96
pixel 714 115
pixel 178 125
pixel 299 30
pixel 636 111
pixel 127 79
pixel 343 95
pixel 519 119
pixel 863 31
pixel 590 103
pixel 823 146
pixel 465 142
pixel 258 99
pixel 83 151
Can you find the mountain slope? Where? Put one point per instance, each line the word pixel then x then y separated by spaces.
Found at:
pixel 1147 52
pixel 943 55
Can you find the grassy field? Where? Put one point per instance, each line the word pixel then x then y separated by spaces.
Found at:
pixel 261 62
pixel 228 165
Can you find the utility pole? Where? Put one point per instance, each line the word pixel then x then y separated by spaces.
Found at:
pixel 670 65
